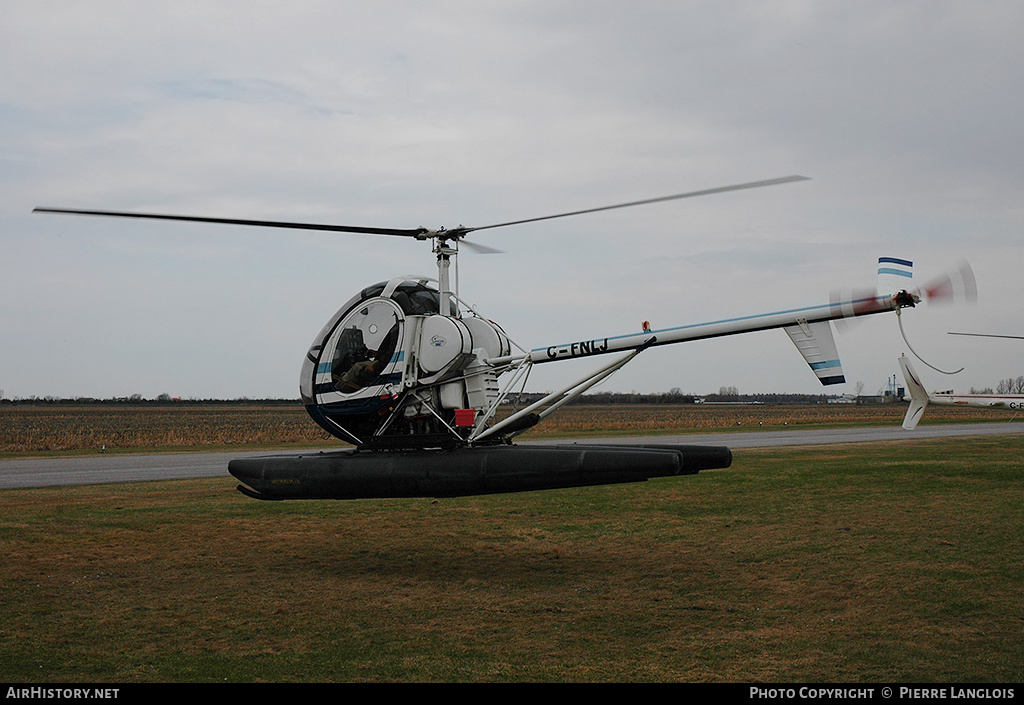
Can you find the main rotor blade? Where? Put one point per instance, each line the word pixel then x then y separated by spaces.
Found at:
pixel 478 248
pixel 690 194
pixel 990 335
pixel 236 221
pixel 418 233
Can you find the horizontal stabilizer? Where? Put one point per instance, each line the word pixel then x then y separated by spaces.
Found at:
pixel 816 344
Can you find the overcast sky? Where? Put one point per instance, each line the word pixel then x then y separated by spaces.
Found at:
pixel 906 115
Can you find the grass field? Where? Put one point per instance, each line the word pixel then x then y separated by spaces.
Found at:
pixel 865 563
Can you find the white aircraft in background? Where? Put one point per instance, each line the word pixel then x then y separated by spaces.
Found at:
pixel 920 398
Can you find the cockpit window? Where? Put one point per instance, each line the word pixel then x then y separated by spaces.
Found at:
pixel 366 345
pixel 414 298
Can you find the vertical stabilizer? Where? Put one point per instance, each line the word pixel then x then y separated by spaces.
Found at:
pixel 894 274
pixel 918 395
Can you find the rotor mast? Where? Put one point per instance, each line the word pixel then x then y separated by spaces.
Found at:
pixel 445 253
pixel 446 247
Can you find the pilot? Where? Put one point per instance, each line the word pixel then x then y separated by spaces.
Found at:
pixel 359 375
pixel 364 372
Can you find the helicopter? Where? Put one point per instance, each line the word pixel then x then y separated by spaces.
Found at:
pixel 413 379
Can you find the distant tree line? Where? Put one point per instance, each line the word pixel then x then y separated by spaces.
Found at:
pixel 725 395
pixel 139 400
pixel 1010 385
pixel 675 396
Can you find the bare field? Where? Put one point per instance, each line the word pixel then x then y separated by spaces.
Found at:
pixel 46 428
pixel 633 419
pixel 90 428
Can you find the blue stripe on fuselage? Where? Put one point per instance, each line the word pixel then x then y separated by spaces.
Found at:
pixel 326 366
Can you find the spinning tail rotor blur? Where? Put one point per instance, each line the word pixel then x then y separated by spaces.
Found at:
pixel 957 286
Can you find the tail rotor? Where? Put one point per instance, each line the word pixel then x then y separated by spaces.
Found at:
pixel 956 286
pixel 894 283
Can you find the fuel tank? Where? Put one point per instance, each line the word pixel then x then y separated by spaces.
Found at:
pixel 351 474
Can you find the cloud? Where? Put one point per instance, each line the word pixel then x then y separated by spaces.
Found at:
pixel 403 114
